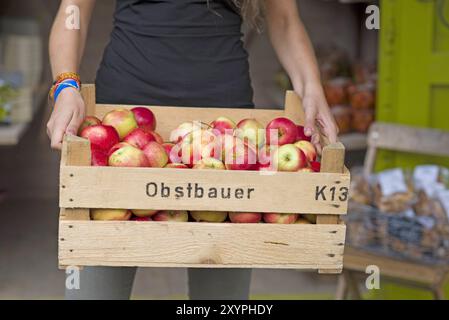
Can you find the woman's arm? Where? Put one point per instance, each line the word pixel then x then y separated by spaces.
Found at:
pixel 66 47
pixel 294 49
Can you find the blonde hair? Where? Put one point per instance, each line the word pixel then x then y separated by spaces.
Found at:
pixel 252 11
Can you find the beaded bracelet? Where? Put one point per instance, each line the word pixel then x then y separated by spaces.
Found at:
pixel 68 83
pixel 67 77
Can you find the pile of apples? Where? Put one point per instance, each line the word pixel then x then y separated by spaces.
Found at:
pixel 127 138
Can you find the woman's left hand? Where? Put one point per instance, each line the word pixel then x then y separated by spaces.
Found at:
pixel 319 119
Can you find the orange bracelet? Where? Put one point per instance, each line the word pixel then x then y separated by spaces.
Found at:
pixel 60 78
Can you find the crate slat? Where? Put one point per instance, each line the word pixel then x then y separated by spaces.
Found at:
pixel 178 244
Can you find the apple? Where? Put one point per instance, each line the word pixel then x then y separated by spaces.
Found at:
pixel 223 125
pixel 308 149
pixel 310 217
pixel 182 130
pixel 302 221
pixel 209 163
pixel 156 155
pixel 245 217
pixel 171 215
pixel 102 136
pixel 289 158
pixel 199 144
pixel 251 132
pixel 125 155
pixel 265 157
pixel 282 218
pixel 87 122
pixel 122 120
pixel 99 157
pixel 176 166
pixel 144 117
pixel 281 131
pixel 316 166
pixel 209 216
pixel 237 154
pixel 141 219
pixel 157 136
pixel 139 138
pixel 143 212
pixel 301 135
pixel 306 170
pixel 168 146
pixel 110 214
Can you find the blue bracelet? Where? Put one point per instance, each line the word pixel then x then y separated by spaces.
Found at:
pixel 69 83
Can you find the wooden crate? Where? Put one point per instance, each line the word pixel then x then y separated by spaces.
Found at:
pixel 212 245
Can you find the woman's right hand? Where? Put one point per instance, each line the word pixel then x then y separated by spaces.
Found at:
pixel 67 116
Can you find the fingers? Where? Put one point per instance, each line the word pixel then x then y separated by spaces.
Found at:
pixel 310 109
pixel 74 124
pixel 56 138
pixel 331 130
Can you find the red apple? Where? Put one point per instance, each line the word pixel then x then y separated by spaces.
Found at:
pixel 199 144
pixel 102 136
pixel 125 155
pixel 143 212
pixel 110 214
pixel 245 217
pixel 144 118
pixel 168 146
pixel 289 158
pixel 209 163
pixel 176 166
pixel 157 137
pixel 282 218
pixel 122 120
pixel 182 130
pixel 139 138
pixel 141 219
pixel 281 131
pixel 316 166
pixel 171 215
pixel 223 125
pixel 156 155
pixel 87 122
pixel 209 216
pixel 308 149
pixel 237 154
pixel 301 135
pixel 265 156
pixel 251 131
pixel 99 157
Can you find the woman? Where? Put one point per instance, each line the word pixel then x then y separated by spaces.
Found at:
pixel 179 52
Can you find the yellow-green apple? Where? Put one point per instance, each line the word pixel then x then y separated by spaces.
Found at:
pixel 171 215
pixel 301 135
pixel 289 158
pixel 176 166
pixel 308 149
pixel 223 125
pixel 144 117
pixel 251 131
pixel 139 138
pixel 110 214
pixel 143 212
pixel 237 155
pixel 209 163
pixel 156 155
pixel 281 218
pixel 199 144
pixel 316 166
pixel 102 136
pixel 182 130
pixel 281 131
pixel 209 216
pixel 310 217
pixel 125 155
pixel 87 122
pixel 245 217
pixel 99 157
pixel 122 120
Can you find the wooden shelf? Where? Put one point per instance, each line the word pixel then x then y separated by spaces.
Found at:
pixel 354 141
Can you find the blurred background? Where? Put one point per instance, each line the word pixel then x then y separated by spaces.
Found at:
pixel 398 74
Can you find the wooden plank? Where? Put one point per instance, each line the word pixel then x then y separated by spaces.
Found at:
pixel 88 94
pixel 293 107
pixel 211 245
pixel 75 151
pixel 250 191
pixel 409 139
pixel 358 260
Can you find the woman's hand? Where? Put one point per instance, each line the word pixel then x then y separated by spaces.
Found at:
pixel 67 116
pixel 319 119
